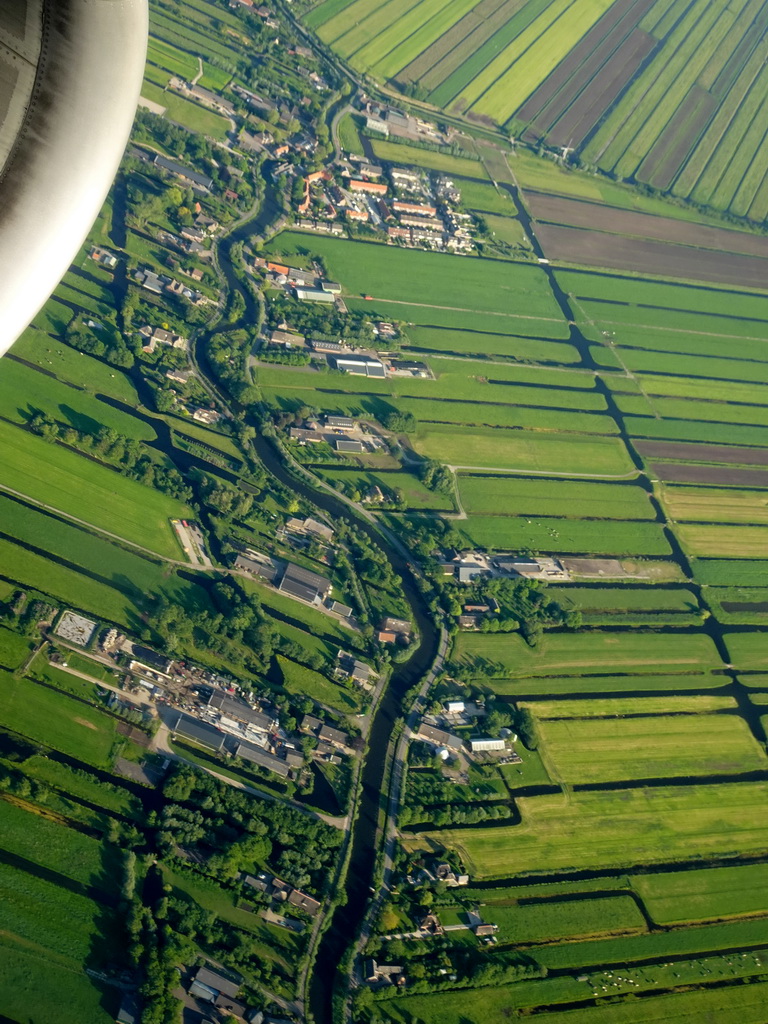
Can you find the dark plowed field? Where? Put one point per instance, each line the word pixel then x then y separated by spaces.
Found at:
pixel 614 252
pixel 680 473
pixel 702 453
pixel 578 213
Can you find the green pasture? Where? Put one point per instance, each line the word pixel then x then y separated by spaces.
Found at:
pixel 56 720
pixel 509 496
pixel 566 536
pixel 737 572
pixel 58 477
pixel 653 746
pixel 470 1006
pixel 756 597
pixel 140 579
pixel 618 599
pixel 485 198
pixel 410 275
pixel 524 451
pixel 24 391
pixel 558 653
pixel 705 894
pixel 75 367
pixel 678 942
pixel 14 649
pixel 298 679
pixel 748 650
pixel 42 841
pixel 617 828
pixel 52 920
pixel 546 686
pixel 197 118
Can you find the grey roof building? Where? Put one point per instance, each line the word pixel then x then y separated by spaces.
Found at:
pixel 183 172
pixel 305 584
pixel 262 758
pixel 234 708
pixel 197 731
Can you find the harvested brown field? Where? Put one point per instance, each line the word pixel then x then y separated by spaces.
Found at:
pixel 702 453
pixel 682 473
pixel 642 256
pixel 573 74
pixel 603 90
pixel 580 213
pixel 677 139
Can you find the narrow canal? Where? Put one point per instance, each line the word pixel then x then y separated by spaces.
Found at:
pixel 348 917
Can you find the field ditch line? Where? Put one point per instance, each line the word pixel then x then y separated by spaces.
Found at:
pixel 546 472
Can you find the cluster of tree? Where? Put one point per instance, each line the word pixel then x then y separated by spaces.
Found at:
pixel 227 351
pixel 437 477
pixel 301 849
pixel 314 320
pixel 400 422
pixel 227 501
pixel 234 627
pixel 527 602
pixel 287 357
pixel 452 814
pixel 104 342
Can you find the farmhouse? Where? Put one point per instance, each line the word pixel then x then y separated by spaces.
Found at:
pixel 286 339
pixel 304 584
pixel 340 423
pixel 375 124
pixel 480 744
pixel 384 636
pixel 266 570
pixel 396 625
pixel 309 526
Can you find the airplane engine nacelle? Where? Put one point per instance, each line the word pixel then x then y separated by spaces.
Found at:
pixel 70 78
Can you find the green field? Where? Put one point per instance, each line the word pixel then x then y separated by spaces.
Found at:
pixel 557 653
pixel 654 746
pixel 707 894
pixel 49 717
pixel 65 481
pixel 539 920
pixel 617 828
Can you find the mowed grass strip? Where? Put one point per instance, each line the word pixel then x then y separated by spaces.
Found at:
pixel 56 720
pixel 734 541
pixel 620 599
pixel 546 686
pixel 58 477
pixel 614 749
pixel 617 828
pixel 525 451
pixel 509 496
pixel 562 653
pixel 591 707
pixel 540 921
pixel 707 894
pixel 477 344
pixel 712 505
pixel 408 275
